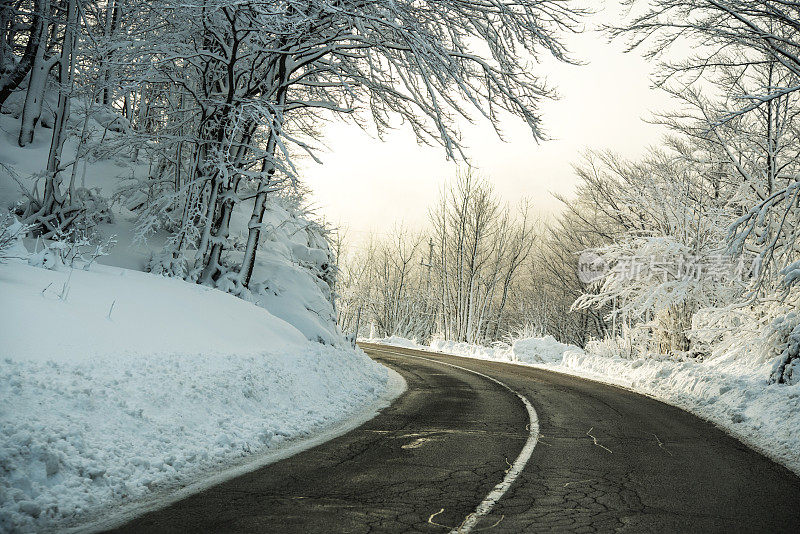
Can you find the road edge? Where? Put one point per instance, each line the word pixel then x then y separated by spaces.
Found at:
pixel 117 516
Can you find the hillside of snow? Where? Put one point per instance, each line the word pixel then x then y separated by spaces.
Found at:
pixel 114 383
pixel 293 270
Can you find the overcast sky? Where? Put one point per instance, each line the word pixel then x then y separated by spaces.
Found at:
pixel 365 184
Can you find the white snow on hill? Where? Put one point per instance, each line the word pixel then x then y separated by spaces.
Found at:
pixel 293 258
pixel 102 405
pixel 729 391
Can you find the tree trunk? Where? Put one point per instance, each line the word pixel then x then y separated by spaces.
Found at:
pixel 11 80
pixel 37 84
pixel 112 16
pixel 221 227
pixel 52 185
pixel 213 262
pixel 268 172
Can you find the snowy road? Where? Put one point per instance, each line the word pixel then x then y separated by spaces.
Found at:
pixel 605 459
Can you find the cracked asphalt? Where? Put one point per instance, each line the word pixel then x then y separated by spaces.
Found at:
pixel 607 460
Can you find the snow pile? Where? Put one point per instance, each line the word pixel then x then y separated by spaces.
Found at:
pixel 531 350
pixel 526 350
pixel 115 383
pixel 294 272
pixel 539 350
pixel 731 389
pixel 466 349
pixel 397 341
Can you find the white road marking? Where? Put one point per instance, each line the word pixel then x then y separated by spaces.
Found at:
pixel 516 468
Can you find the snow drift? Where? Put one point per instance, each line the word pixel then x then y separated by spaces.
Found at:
pixel 114 383
pixel 539 350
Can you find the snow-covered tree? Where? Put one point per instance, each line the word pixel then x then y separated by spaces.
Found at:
pixel 666 258
pixel 742 80
pixel 260 76
pixel 479 247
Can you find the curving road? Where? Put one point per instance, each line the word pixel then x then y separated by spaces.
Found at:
pixel 605 460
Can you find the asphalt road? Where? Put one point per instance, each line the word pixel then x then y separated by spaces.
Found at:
pixel 606 460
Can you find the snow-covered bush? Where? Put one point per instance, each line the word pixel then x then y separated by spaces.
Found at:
pixel 524 331
pixel 631 343
pixel 71 250
pixel 786 332
pixel 81 209
pixel 156 200
pixel 663 279
pixel 758 335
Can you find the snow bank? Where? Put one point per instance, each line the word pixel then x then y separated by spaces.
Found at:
pixel 115 383
pixel 729 391
pixel 294 271
pixel 540 350
pixel 464 349
pixel 397 341
pixel 533 350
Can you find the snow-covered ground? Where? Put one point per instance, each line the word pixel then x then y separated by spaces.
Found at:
pixel 115 383
pixel 729 391
pixel 286 276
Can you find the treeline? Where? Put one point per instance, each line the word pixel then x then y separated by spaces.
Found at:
pixel 699 239
pixel 475 275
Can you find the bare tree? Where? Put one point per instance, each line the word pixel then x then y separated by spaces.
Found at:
pixel 480 247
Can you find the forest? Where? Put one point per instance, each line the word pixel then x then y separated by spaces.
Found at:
pixel 211 105
pixel 688 252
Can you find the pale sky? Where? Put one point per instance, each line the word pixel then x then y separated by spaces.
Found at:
pixel 365 184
